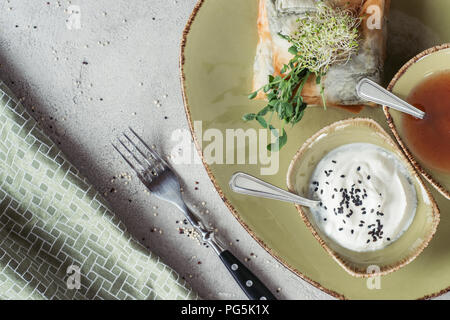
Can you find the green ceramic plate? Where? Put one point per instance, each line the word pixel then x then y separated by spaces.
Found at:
pixel 217 57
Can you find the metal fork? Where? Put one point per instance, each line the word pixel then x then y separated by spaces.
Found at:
pixel 160 179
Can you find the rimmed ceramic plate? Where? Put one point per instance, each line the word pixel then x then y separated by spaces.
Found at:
pixel 413 73
pixel 217 56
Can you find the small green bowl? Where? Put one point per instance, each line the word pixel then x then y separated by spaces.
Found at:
pixel 414 239
pixel 415 71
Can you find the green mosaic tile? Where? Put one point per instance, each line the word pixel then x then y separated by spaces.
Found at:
pixel 35 164
pixel 65 185
pixel 44 149
pixel 51 210
pixel 28 177
pixel 30 140
pixel 9 180
pixel 20 154
pixel 36 201
pixel 50 174
pixel 15 128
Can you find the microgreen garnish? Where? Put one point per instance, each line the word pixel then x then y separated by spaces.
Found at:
pixel 323 38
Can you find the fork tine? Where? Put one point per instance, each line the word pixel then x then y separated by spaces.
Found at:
pixel 139 150
pixel 125 158
pixel 154 153
pixel 133 155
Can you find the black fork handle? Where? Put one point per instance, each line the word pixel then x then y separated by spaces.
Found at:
pixel 249 283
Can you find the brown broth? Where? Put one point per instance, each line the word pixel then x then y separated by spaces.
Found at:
pixel 429 139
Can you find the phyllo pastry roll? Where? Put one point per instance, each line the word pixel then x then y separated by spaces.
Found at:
pixel 338 84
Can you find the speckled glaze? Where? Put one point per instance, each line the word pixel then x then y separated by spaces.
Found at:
pixel 217 53
pixel 411 74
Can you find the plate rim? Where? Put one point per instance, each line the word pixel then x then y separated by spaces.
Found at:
pixel 233 211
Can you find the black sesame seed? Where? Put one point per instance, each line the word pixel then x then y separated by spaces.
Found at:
pixel 368 177
pixel 340 229
pixel 359 168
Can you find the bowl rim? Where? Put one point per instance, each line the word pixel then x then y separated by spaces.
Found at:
pixel 391 124
pixel 385 136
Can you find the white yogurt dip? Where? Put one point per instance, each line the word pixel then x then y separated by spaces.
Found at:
pixel 367 197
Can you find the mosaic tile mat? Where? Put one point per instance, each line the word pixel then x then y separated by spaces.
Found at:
pixel 58 239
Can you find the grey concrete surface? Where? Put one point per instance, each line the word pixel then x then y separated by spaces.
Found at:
pixel 87 85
